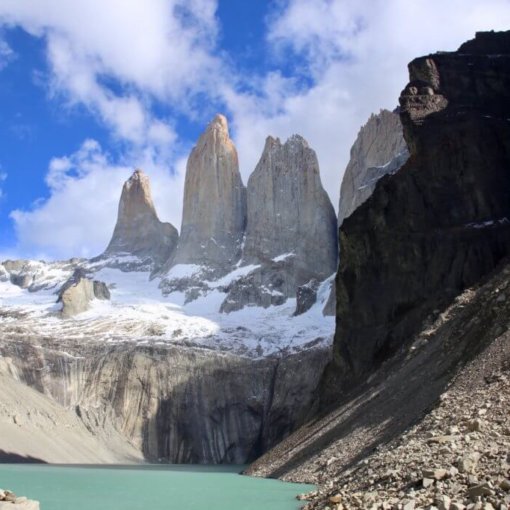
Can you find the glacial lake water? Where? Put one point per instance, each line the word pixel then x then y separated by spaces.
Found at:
pixel 174 487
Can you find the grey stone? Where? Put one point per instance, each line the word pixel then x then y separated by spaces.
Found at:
pixel 214 212
pixel 306 296
pixel 289 211
pixel 379 149
pixel 482 489
pixel 101 290
pixel 291 226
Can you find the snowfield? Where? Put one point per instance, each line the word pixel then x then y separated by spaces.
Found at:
pixel 139 312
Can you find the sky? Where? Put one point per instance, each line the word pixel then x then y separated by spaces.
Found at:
pixel 91 90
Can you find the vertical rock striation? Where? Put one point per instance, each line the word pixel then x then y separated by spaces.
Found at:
pixel 138 230
pixel 291 226
pixel 214 211
pixel 171 403
pixel 441 222
pixel 379 149
pixel 288 209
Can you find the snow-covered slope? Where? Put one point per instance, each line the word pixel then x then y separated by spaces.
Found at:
pixel 139 312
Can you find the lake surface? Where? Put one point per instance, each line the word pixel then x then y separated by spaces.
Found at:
pixel 148 487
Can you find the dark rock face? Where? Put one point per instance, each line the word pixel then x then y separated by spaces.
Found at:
pixel 139 231
pixel 306 297
pixel 379 149
pixel 441 222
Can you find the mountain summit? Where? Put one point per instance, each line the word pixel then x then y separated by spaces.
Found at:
pixel 138 230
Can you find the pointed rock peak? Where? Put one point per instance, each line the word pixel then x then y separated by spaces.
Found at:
pixel 219 123
pixel 297 140
pixel 136 194
pixel 138 175
pixel 138 230
pixel 272 142
pixel 214 207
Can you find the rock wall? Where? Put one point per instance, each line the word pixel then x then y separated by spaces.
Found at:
pixel 379 149
pixel 214 211
pixel 138 230
pixel 441 222
pixel 173 404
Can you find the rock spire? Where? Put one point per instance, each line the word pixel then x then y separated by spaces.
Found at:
pixel 289 212
pixel 138 230
pixel 214 210
pixel 291 227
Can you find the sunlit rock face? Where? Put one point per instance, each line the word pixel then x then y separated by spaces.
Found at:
pixel 170 403
pixel 214 210
pixel 138 230
pixel 291 226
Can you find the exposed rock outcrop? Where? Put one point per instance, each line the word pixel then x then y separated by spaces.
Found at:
pixel 441 222
pixel 78 292
pixel 9 501
pixel 37 275
pixel 379 149
pixel 291 226
pixel 214 210
pixel 469 340
pixel 139 231
pixel 192 405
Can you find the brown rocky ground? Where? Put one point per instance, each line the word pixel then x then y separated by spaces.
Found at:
pixel 458 457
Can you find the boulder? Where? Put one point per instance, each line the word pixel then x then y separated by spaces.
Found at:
pixel 78 292
pixel 306 297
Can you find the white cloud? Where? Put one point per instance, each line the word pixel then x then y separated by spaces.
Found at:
pixel 78 217
pixel 117 59
pixel 6 54
pixel 152 50
pixel 356 54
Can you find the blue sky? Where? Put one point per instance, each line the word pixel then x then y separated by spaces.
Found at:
pixel 91 89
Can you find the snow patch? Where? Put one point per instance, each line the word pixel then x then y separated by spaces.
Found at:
pixel 283 256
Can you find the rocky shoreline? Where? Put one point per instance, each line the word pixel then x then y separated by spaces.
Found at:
pixel 8 499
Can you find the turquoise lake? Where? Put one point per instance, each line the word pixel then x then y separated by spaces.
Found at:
pixel 148 487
